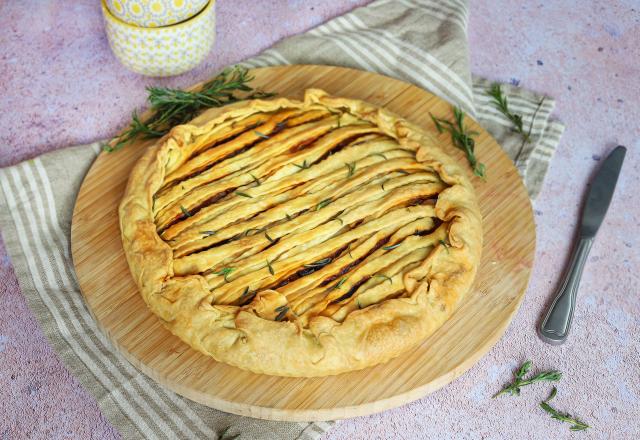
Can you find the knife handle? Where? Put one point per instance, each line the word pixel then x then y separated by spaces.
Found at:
pixel 555 325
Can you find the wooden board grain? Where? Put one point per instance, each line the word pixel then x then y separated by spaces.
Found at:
pixel 509 244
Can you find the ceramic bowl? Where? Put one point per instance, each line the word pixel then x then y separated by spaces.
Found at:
pixel 162 51
pixel 154 13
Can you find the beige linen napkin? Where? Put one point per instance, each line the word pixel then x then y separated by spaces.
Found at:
pixel 422 42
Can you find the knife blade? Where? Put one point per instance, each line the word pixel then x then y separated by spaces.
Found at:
pixel 555 326
pixel 601 192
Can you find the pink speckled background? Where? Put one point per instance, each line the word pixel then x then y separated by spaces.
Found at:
pixel 60 85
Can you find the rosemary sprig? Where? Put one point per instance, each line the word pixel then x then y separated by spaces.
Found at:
pixel 262 135
pixel 519 381
pixel 322 204
pixel 461 137
pixel 576 424
pixel 384 277
pixel 185 211
pixel 225 271
pixel 240 193
pixel 500 101
pixel 351 167
pixel 171 107
pixel 388 248
pixel 271 271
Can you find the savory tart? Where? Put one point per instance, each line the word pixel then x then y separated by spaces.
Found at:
pixel 301 238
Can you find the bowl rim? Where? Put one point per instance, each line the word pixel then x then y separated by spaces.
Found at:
pixel 189 21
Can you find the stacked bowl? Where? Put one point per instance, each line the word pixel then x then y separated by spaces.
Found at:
pixel 160 37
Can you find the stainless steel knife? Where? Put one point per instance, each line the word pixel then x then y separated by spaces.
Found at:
pixel 556 323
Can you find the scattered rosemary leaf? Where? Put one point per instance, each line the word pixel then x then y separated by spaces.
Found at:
pixel 340 220
pixel 280 125
pixel 388 248
pixel 319 263
pixel 402 172
pixel 185 211
pixel 445 244
pixel 358 303
pixel 385 277
pixel 262 135
pixel 271 271
pixel 351 167
pixel 225 272
pixel 304 165
pixel 238 193
pixel 461 137
pixel 576 424
pixel 288 216
pixel 208 233
pixel 322 204
pixel 255 179
pixel 282 313
pixel 266 234
pixel 349 250
pixel 379 154
pixel 250 230
pixel 520 381
pixel 245 293
pixel 339 283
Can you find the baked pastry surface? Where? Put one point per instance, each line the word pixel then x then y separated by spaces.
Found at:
pixel 301 238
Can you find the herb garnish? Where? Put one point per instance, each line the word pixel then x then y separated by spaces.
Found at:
pixel 339 283
pixel 225 272
pixel 271 271
pixel 262 135
pixel 239 193
pixel 245 293
pixel 282 312
pixel 288 216
pixel 519 381
pixel 322 204
pixel 388 248
pixel 351 167
pixel 255 179
pixel 248 231
pixel 319 263
pixel 383 276
pixel 171 107
pixel 266 234
pixel 576 425
pixel 461 138
pixel 185 211
pixel 304 165
pixel 208 233
pixel 445 244
pixel 501 103
pixel 379 154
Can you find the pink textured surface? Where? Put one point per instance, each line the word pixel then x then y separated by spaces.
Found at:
pixel 61 86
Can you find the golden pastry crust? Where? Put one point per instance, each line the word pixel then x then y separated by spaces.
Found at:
pixel 301 238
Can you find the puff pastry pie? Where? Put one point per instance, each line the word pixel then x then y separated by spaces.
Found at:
pixel 301 238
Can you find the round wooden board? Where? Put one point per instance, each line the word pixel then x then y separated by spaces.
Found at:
pixel 509 244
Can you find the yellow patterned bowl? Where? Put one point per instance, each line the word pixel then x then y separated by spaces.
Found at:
pixel 154 13
pixel 162 51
